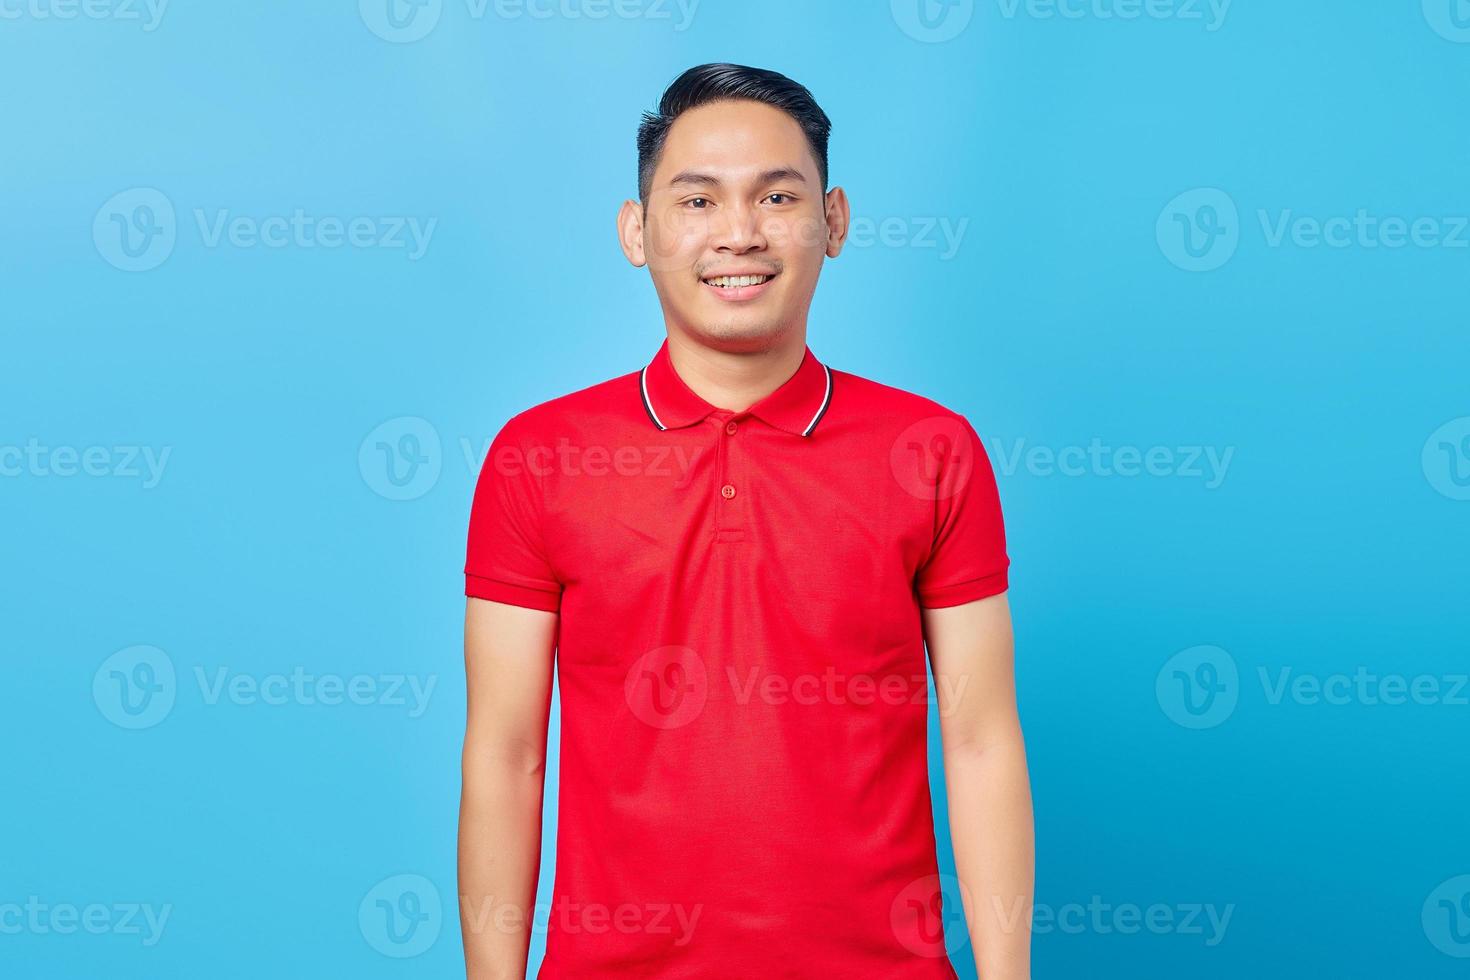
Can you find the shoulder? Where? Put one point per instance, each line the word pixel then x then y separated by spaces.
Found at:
pixel 611 401
pixel 897 405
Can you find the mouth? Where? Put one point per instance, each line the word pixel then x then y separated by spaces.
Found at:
pixel 736 289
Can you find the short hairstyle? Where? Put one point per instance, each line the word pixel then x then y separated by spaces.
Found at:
pixel 704 84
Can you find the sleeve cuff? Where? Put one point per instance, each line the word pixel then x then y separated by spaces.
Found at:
pixel 478 587
pixel 963 592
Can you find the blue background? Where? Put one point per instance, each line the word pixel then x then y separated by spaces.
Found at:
pixel 1334 542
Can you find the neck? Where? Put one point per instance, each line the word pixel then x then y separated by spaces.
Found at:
pixel 735 380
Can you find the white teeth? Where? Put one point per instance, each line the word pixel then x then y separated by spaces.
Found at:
pixel 729 281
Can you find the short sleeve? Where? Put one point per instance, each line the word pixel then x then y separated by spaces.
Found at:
pixel 506 558
pixel 968 559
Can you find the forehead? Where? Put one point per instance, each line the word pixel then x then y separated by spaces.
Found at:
pixel 732 140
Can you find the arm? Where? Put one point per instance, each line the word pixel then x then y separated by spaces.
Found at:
pixel 508 661
pixel 971 649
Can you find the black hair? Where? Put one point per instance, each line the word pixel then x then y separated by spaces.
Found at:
pixel 704 84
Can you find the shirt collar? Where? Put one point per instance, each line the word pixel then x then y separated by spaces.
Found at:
pixel 796 407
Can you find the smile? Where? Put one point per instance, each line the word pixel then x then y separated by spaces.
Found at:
pixel 738 288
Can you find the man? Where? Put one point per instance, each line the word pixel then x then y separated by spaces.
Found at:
pixel 738 555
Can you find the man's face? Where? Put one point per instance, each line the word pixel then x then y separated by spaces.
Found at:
pixel 736 225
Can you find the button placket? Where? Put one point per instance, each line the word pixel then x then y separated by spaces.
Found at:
pixel 721 478
pixel 730 485
pixel 736 490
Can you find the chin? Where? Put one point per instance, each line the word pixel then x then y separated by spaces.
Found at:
pixel 739 334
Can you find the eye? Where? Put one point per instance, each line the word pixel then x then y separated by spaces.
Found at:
pixel 784 198
pixel 697 203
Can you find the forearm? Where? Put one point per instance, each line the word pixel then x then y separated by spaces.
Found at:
pixel 994 844
pixel 499 858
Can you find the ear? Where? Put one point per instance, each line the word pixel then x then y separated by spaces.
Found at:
pixel 630 232
pixel 838 217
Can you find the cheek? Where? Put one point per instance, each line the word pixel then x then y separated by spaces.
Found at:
pixel 675 243
pixel 795 235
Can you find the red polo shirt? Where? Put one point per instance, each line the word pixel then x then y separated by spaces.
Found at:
pixel 744 786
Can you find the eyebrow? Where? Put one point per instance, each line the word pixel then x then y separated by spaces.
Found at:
pixel 710 180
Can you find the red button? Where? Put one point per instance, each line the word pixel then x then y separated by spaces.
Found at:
pixel 730 428
pixel 727 491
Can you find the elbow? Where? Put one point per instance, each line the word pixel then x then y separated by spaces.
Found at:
pixel 977 746
pixel 500 760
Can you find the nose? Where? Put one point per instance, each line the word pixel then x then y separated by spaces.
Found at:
pixel 737 230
